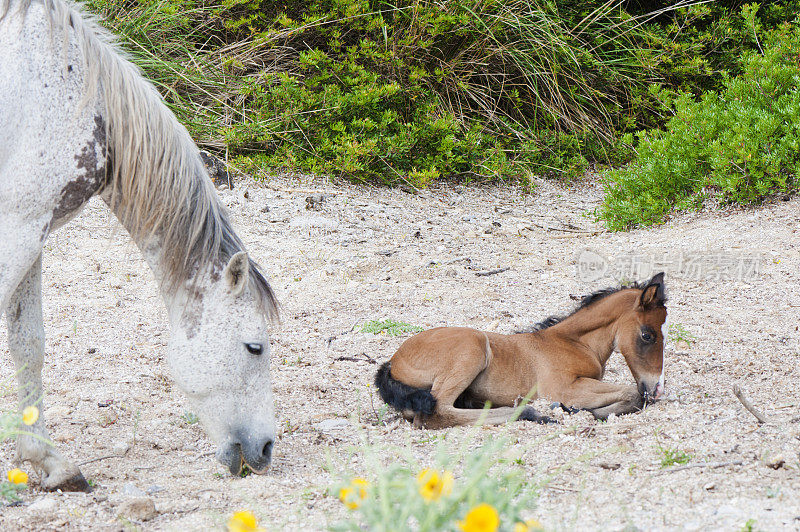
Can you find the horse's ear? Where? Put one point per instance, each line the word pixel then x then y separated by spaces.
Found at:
pixel 653 294
pixel 237 272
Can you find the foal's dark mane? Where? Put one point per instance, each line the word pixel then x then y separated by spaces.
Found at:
pixel 586 301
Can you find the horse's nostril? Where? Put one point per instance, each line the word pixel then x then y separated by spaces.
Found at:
pixel 266 452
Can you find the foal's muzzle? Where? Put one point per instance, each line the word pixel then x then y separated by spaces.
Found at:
pixel 254 451
pixel 651 389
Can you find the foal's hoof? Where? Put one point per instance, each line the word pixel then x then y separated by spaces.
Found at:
pixel 76 482
pixel 529 414
pixel 565 408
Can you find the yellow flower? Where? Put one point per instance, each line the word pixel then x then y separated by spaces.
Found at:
pixel 353 494
pixel 432 487
pixel 30 414
pixel 528 526
pixel 17 476
pixel 482 518
pixel 244 522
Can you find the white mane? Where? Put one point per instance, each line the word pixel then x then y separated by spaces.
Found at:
pixel 158 183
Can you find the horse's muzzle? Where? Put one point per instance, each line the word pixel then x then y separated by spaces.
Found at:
pixel 651 389
pixel 254 451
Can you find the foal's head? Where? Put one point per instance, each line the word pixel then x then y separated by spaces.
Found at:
pixel 219 356
pixel 640 336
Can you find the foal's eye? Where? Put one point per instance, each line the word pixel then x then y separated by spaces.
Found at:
pixel 254 349
pixel 648 337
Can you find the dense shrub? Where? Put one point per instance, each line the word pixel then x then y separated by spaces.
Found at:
pixel 395 89
pixel 737 146
pixel 414 90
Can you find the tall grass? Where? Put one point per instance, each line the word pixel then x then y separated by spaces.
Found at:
pixel 416 90
pixel 393 90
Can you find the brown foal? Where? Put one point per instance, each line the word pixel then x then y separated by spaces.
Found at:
pixel 444 377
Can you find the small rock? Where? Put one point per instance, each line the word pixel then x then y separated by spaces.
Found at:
pixel 776 461
pixel 155 488
pixel 131 490
pixel 44 505
pixel 332 424
pixel 609 465
pixel 710 486
pixel 139 509
pixel 121 447
pixel 265 208
pixel 314 202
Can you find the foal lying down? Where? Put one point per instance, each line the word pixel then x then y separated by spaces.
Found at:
pixel 444 377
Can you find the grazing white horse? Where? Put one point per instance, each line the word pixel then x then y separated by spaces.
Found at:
pixel 77 119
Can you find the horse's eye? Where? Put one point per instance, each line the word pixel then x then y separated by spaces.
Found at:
pixel 254 349
pixel 647 337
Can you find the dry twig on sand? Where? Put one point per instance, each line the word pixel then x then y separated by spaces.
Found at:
pixel 748 405
pixel 492 272
pixel 710 465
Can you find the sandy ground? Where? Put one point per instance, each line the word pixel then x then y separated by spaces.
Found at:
pixel 374 254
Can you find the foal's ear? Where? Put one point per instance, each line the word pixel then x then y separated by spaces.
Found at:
pixel 653 293
pixel 237 272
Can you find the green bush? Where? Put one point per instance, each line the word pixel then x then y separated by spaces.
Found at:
pixel 397 91
pixel 740 145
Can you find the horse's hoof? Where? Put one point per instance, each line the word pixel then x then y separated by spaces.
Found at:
pixel 565 408
pixel 76 482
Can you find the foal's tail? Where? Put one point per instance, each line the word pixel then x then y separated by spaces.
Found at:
pixel 402 396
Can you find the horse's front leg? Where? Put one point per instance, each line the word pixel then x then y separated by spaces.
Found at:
pixel 601 398
pixel 26 344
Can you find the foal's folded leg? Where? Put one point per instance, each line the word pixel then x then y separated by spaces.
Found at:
pixel 26 344
pixel 448 389
pixel 601 398
pixel 448 416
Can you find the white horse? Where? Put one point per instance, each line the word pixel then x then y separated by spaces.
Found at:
pixel 77 119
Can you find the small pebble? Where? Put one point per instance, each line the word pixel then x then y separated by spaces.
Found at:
pixel 120 447
pixel 315 201
pixel 776 461
pixel 131 490
pixel 139 509
pixel 44 505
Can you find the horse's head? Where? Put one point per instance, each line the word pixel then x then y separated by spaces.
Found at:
pixel 219 356
pixel 640 338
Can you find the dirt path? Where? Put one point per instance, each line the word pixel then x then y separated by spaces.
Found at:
pixel 373 254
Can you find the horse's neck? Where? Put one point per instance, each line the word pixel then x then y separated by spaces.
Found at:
pixel 176 298
pixel 595 326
